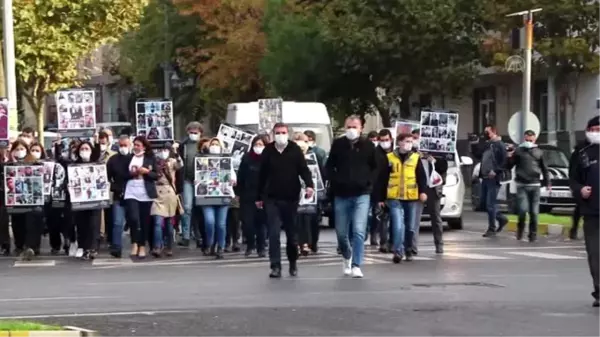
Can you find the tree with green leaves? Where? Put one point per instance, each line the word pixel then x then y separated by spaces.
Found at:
pixel 52 37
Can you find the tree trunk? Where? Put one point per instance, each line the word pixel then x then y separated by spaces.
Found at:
pixel 572 99
pixel 41 120
pixel 2 78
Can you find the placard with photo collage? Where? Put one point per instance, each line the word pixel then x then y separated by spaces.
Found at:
pixel 48 177
pixel 406 127
pixel 59 191
pixel 4 127
pixel 270 112
pixel 212 182
pixel 76 109
pixel 24 186
pixel 154 120
pixel 236 142
pixel 88 186
pixel 439 131
pixel 309 205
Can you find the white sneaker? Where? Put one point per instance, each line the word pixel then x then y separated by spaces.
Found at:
pixel 72 249
pixel 356 272
pixel 347 267
pixel 79 253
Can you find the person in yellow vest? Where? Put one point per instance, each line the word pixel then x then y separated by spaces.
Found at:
pixel 403 194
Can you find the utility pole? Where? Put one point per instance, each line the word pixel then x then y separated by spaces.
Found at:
pixel 166 54
pixel 526 106
pixel 9 64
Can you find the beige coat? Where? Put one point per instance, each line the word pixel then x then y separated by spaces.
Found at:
pixel 166 203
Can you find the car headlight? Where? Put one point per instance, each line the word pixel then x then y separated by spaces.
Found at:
pixel 452 179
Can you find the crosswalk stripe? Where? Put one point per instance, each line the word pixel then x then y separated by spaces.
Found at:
pixel 547 255
pixel 474 256
pixel 48 263
pixel 111 262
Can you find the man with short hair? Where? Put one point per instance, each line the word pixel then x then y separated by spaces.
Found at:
pixel 379 221
pixel 188 149
pixel 493 163
pixel 352 171
pixel 282 163
pixel 27 135
pixel 373 135
pixel 115 165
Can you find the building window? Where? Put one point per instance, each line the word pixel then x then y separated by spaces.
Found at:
pixel 540 103
pixel 484 107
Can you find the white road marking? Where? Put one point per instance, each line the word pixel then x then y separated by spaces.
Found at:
pixel 122 283
pixel 94 314
pixel 473 256
pixel 547 255
pixel 49 263
pixel 42 299
pixel 110 262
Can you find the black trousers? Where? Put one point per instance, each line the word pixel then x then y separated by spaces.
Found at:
pixel 108 225
pixel 27 230
pixel 433 205
pixel 233 227
pixel 576 217
pixel 591 233
pixel 304 226
pixel 88 228
pixel 56 226
pixel 282 213
pixel 254 223
pixel 4 231
pixel 137 214
pixel 315 230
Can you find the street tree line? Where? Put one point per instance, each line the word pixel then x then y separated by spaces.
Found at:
pixel 344 53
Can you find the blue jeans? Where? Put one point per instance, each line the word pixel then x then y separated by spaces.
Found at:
pixel 215 220
pixel 118 213
pixel 489 193
pixel 402 217
pixel 352 213
pixel 528 199
pixel 159 233
pixel 188 207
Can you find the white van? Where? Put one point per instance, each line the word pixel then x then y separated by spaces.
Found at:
pixel 299 116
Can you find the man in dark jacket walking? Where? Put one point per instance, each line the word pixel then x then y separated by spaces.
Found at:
pixel 352 171
pixel 584 178
pixel 528 161
pixel 282 164
pixel 379 221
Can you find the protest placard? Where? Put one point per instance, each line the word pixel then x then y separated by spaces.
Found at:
pixel 270 111
pixel 154 120
pixel 76 109
pixel 438 132
pixel 88 186
pixel 23 188
pixel 213 180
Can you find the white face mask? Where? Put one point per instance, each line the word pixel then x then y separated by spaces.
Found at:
pixel 404 147
pixel 527 144
pixel 164 155
pixel 73 157
pixel 138 152
pixel 124 150
pixel 103 147
pixel 375 143
pixel 36 155
pixel 593 137
pixel 258 149
pixel 385 145
pixel 20 154
pixel 85 155
pixel 214 149
pixel 303 145
pixel 281 139
pixel 352 134
pixel 26 140
pixel 311 144
pixel 194 137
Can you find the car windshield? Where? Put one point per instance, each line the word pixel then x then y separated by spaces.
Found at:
pixel 322 131
pixel 555 158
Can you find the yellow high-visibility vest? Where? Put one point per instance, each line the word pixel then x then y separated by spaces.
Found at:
pixel 403 177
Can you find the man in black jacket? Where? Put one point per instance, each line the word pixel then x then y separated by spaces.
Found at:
pixel 352 171
pixel 529 162
pixel 379 222
pixel 584 178
pixel 282 163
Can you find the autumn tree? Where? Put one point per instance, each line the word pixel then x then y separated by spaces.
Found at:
pixel 53 36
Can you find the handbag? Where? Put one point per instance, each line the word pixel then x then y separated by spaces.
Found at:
pixel 180 209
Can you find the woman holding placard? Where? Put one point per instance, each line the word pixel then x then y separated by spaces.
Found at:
pixel 140 192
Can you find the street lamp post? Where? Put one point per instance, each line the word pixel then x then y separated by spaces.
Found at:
pixel 9 65
pixel 526 106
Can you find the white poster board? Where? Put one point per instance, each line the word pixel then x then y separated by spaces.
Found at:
pixel 270 112
pixel 154 120
pixel 235 142
pixel 88 186
pixel 76 109
pixel 439 132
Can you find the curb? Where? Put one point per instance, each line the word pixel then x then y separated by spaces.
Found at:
pixel 70 331
pixel 543 229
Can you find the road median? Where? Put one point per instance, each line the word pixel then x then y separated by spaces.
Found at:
pixel 15 328
pixel 548 224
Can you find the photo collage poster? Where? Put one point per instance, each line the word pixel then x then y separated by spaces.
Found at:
pixel 24 185
pixel 48 177
pixel 88 184
pixel 213 177
pixel 4 125
pixel 59 193
pixel 313 166
pixel 439 131
pixel 76 109
pixel 406 127
pixel 235 142
pixel 154 120
pixel 270 112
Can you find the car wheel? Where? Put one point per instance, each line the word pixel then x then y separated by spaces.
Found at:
pixel 455 223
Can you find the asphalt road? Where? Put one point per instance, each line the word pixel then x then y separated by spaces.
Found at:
pixel 479 287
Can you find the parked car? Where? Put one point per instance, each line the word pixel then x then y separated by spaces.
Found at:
pixel 558 196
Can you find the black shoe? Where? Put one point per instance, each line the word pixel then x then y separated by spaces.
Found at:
pixel 596 303
pixel 314 248
pixel 489 234
pixel 28 254
pixel 219 254
pixel 116 254
pixel 519 235
pixel 532 238
pixel 397 258
pixel 573 235
pixel 198 244
pixel 501 226
pixel 439 249
pixel 248 252
pixel 409 257
pixel 236 248
pixel 293 268
pixel 86 255
pixel 54 252
pixel 184 243
pixel 275 272
pixel 383 249
pixel 261 254
pixel 414 251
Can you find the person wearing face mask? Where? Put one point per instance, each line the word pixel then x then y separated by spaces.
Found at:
pixel 305 216
pixel 27 228
pixel 188 149
pixel 167 203
pixel 140 192
pixel 379 220
pixel 528 161
pixel 117 170
pixel 373 137
pixel 215 214
pixel 584 179
pixel 27 135
pixel 103 146
pixel 352 171
pixel 405 189
pixel 279 193
pixel 321 156
pixel 253 218
pixel 493 164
